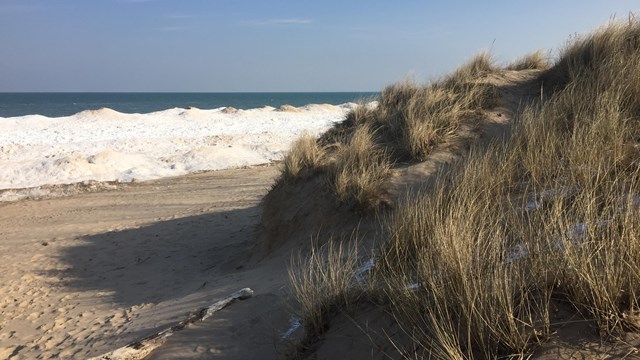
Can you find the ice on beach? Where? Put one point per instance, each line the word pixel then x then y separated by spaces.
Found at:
pixel 294 324
pixel 362 273
pixel 105 145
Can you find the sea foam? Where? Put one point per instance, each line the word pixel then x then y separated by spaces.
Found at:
pixel 106 145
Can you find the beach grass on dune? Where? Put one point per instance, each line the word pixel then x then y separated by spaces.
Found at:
pixel 407 124
pixel 473 264
pixel 305 156
pixel 323 282
pixel 536 60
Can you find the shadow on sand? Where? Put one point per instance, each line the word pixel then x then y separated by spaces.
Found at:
pixel 160 261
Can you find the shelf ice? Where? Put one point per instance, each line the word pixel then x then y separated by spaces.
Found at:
pixel 105 145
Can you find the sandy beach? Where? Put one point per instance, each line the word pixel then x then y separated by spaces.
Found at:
pixel 259 180
pixel 85 274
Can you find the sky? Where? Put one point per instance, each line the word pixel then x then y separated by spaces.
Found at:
pixel 272 45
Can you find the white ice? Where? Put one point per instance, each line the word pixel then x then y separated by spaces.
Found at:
pixel 105 145
pixel 362 273
pixel 294 324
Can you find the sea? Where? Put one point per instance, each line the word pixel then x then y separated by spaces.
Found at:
pixel 66 104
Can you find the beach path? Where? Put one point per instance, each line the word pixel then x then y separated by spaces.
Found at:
pixel 85 274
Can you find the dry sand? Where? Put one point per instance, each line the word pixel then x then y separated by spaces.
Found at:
pixel 85 274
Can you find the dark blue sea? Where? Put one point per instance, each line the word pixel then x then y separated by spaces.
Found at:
pixel 64 104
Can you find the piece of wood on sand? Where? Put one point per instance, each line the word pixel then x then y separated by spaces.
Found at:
pixel 141 348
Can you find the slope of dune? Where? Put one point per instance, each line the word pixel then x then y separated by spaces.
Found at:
pixel 296 212
pixel 510 213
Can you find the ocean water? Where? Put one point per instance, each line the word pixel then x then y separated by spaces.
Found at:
pixel 65 104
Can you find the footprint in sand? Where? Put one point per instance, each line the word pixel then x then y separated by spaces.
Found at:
pixel 6 335
pixel 49 343
pixel 69 353
pixel 34 316
pixel 8 352
pixel 46 328
pixel 25 304
pixel 86 314
pixel 61 321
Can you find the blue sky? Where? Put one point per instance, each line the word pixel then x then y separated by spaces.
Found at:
pixel 280 45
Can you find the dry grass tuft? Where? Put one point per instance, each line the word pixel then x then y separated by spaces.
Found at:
pixel 534 61
pixel 454 244
pixel 341 133
pixel 477 67
pixel 323 284
pixel 304 158
pixel 588 220
pixel 597 54
pixel 360 171
pixel 414 120
pixel 410 119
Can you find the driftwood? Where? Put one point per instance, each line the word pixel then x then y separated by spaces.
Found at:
pixel 141 348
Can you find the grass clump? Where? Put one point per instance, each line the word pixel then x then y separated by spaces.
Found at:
pixel 480 65
pixel 323 284
pixel 590 215
pixel 303 159
pixel 534 61
pixel 410 120
pixel 550 216
pixel 360 171
pixel 470 298
pixel 413 120
pixel 601 54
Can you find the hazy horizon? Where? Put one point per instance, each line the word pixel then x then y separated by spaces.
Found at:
pixel 277 46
